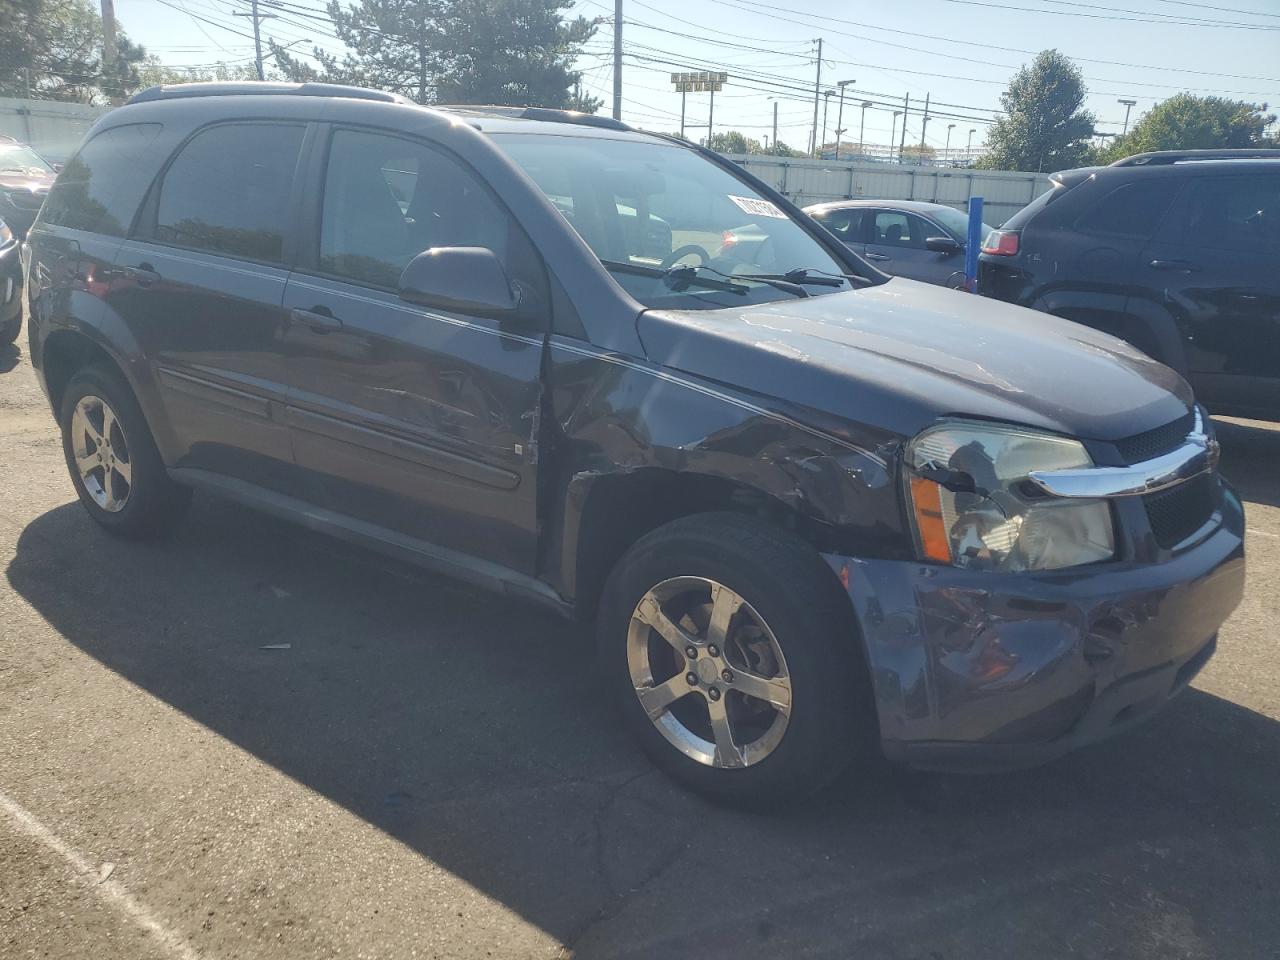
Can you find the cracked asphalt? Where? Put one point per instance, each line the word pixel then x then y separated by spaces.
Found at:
pixel 427 771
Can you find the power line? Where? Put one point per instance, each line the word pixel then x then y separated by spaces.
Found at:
pixel 1099 16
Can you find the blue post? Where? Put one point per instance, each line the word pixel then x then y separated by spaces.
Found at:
pixel 973 244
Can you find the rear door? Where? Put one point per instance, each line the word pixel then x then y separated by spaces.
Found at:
pixel 1216 262
pixel 421 421
pixel 201 284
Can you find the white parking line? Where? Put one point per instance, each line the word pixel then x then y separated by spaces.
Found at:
pixel 111 892
pixel 1262 533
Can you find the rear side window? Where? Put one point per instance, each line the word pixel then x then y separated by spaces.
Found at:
pixel 1131 210
pixel 1231 213
pixel 228 191
pixel 1023 216
pixel 101 186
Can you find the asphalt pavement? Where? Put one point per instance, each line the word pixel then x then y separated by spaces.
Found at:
pixel 251 741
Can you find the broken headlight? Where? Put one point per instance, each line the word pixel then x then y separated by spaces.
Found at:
pixel 974 507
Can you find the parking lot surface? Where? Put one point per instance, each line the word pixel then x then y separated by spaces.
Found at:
pixel 252 741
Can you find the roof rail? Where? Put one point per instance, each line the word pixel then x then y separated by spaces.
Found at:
pixel 1164 157
pixel 242 88
pixel 548 114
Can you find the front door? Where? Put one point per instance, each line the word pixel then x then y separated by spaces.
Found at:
pixel 201 283
pixel 1215 258
pixel 421 421
pixel 896 244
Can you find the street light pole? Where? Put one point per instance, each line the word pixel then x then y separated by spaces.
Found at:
pixel 968 150
pixel 862 128
pixel 840 114
pixel 617 59
pixel 1128 105
pixel 775 125
pixel 946 151
pixel 893 135
pixel 826 104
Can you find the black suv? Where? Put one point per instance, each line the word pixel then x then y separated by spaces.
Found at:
pixel 814 511
pixel 1177 252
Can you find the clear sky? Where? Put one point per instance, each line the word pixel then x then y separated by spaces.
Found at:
pixel 960 52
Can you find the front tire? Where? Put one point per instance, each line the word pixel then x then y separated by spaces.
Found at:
pixel 113 460
pixel 736 660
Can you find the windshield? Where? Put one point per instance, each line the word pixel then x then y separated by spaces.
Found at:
pixel 19 158
pixel 646 207
pixel 957 222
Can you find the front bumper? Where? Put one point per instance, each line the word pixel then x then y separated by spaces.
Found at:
pixel 10 283
pixel 979 670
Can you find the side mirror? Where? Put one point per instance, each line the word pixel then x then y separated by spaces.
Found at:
pixel 465 279
pixel 943 245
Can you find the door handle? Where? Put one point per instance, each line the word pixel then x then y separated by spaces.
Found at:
pixel 1179 266
pixel 877 256
pixel 319 319
pixel 143 274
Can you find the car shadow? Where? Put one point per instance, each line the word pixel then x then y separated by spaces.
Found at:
pixel 471 729
pixel 10 355
pixel 1251 458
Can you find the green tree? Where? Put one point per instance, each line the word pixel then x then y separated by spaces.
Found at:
pixel 152 72
pixel 1044 126
pixel 455 51
pixel 734 141
pixel 919 154
pixel 1188 122
pixel 52 50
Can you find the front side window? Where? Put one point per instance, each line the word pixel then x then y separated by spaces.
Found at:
pixel 644 208
pixel 386 200
pixel 892 228
pixel 228 191
pixel 20 159
pixel 100 188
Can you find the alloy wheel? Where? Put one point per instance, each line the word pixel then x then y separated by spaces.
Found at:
pixel 708 672
pixel 101 453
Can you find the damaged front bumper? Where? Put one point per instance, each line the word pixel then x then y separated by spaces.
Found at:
pixel 980 670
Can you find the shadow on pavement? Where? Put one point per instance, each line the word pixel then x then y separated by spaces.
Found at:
pixel 470 729
pixel 9 357
pixel 1251 458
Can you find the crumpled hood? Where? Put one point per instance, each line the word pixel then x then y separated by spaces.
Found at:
pixel 902 354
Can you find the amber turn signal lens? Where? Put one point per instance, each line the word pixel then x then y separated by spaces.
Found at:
pixel 926 500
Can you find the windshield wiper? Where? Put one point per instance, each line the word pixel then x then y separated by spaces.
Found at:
pixel 778 282
pixel 673 275
pixel 823 277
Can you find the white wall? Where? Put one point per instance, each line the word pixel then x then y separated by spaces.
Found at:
pixel 815 181
pixel 53 128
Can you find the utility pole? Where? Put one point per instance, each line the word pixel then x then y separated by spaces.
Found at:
pixel 711 113
pixel 775 126
pixel 924 126
pixel 682 96
pixel 1128 105
pixel 617 59
pixel 108 34
pixel 257 33
pixel 946 151
pixel 862 128
pixel 893 132
pixel 906 112
pixel 817 87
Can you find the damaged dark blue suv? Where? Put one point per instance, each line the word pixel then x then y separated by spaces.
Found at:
pixel 815 511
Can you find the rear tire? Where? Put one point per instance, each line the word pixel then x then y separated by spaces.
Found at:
pixel 9 332
pixel 786 634
pixel 114 464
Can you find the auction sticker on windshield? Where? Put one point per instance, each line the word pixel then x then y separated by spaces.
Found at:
pixel 757 207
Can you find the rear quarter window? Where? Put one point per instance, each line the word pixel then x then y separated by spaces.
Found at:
pixel 100 188
pixel 1131 209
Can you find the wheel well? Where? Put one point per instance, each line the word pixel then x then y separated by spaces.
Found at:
pixel 622 508
pixel 65 353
